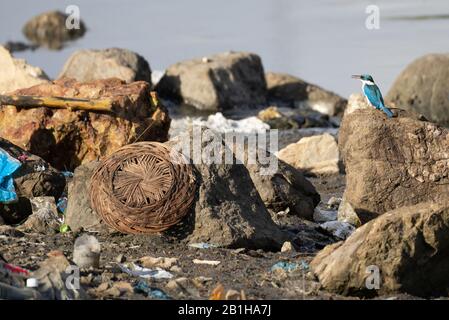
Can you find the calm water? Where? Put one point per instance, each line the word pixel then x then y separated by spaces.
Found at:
pixel 322 41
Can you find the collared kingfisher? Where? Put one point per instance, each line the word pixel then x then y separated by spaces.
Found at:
pixel 372 93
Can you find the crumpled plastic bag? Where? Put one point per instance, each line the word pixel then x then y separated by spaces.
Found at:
pixel 8 165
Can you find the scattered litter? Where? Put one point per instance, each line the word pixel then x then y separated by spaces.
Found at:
pixel 16 270
pixel 160 262
pixel 201 279
pixel 208 262
pixel 22 158
pixel 120 258
pixel 146 273
pixel 338 229
pixel 185 286
pixel 8 165
pixel 54 282
pixel 218 293
pixel 235 295
pixel 203 245
pixel 44 218
pixel 39 167
pixel 117 289
pixel 346 213
pixel 320 215
pixel 286 266
pixel 287 247
pixel 154 293
pixel 8 292
pixel 283 213
pixel 64 228
pixel 334 202
pixel 62 204
pixel 32 283
pixel 304 265
pixel 219 123
pixel 87 252
pixel 156 76
pixel 67 174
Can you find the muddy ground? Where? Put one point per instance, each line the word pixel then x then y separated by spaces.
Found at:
pixel 242 270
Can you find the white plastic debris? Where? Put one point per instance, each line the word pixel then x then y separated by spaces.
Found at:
pixel 219 123
pixel 203 245
pixel 334 202
pixel 87 251
pixel 146 273
pixel 208 262
pixel 32 283
pixel 156 76
pixel 320 215
pixel 338 229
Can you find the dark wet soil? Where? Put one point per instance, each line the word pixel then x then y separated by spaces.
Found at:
pixel 239 269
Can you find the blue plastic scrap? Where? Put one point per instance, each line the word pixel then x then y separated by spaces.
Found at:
pixel 62 204
pixel 67 174
pixel 203 245
pixel 304 265
pixel 8 165
pixel 154 293
pixel 287 266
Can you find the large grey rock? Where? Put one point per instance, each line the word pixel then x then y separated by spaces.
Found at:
pixel 89 65
pixel 283 188
pixel 409 247
pixel 291 89
pixel 423 87
pixel 17 74
pixel 79 214
pixel 217 82
pixel 229 211
pixel 392 163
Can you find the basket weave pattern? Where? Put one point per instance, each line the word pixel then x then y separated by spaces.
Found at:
pixel 143 187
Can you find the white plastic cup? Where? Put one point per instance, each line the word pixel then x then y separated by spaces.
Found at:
pixel 86 252
pixel 32 283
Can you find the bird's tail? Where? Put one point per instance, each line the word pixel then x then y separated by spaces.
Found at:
pixel 386 111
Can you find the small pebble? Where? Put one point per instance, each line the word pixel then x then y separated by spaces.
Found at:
pixel 287 247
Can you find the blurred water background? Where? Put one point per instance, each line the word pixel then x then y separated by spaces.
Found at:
pixel 321 41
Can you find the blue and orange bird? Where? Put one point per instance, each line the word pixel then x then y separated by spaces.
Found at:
pixel 372 93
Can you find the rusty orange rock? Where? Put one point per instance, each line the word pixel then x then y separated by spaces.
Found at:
pixel 67 138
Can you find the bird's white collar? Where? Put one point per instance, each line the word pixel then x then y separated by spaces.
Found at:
pixel 367 82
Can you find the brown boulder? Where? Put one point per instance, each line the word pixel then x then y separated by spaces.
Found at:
pixel 408 249
pixel 316 155
pixel 288 88
pixel 67 138
pixel 392 163
pixel 90 65
pixel 50 29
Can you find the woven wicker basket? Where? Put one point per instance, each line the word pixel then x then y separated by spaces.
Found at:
pixel 143 187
